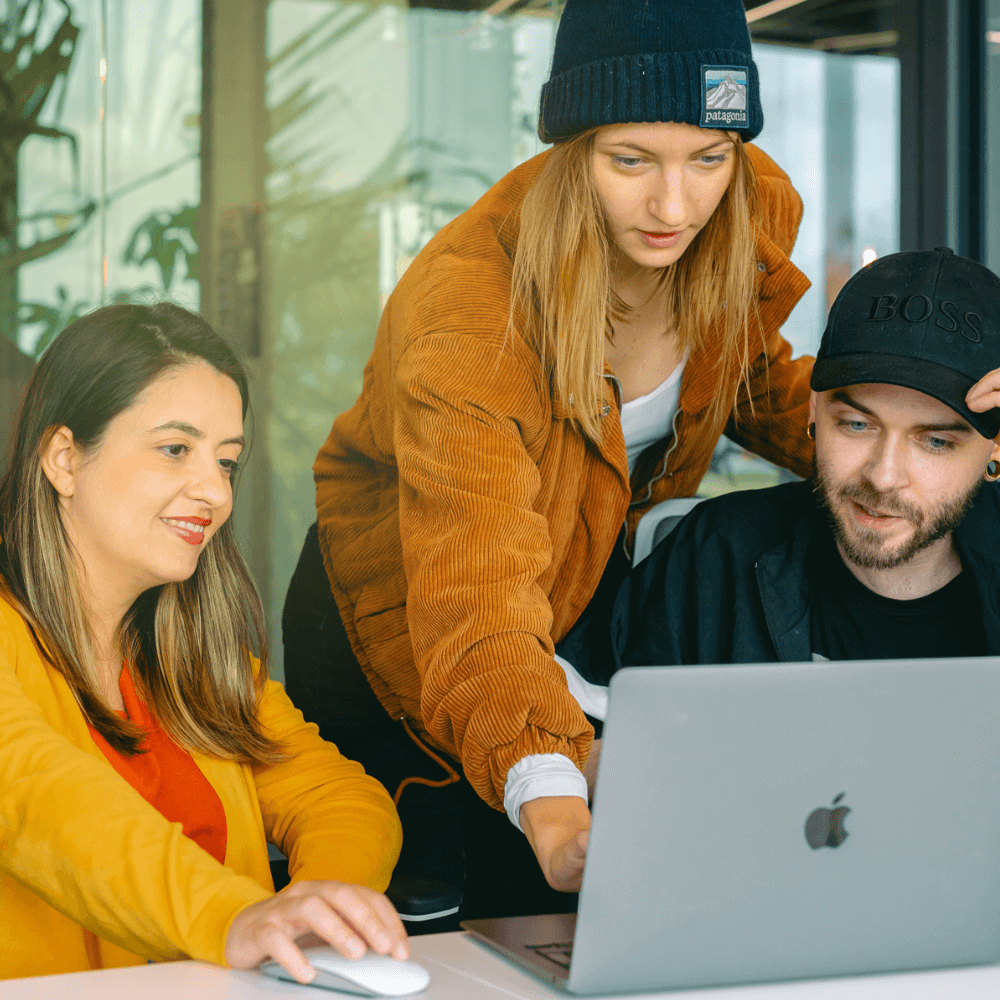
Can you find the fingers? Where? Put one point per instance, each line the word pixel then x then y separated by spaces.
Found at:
pixel 366 915
pixel 985 394
pixel 390 920
pixel 566 873
pixel 325 919
pixel 350 918
pixel 555 827
pixel 287 954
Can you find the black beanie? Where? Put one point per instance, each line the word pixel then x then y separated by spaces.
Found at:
pixel 620 61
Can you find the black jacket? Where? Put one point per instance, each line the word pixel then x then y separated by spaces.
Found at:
pixel 729 585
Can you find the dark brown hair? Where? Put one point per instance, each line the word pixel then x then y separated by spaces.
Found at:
pixel 189 645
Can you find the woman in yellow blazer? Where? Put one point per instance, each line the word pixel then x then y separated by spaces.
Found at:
pixel 145 758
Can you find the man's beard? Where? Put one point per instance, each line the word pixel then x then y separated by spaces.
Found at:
pixel 865 547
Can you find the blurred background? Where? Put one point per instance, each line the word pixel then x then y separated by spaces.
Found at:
pixel 277 164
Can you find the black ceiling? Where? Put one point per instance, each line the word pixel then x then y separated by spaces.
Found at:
pixel 860 25
pixel 846 25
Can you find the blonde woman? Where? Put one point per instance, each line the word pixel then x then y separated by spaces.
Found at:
pixel 559 358
pixel 145 758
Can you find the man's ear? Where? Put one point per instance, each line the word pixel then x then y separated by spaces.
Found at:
pixel 812 405
pixel 59 461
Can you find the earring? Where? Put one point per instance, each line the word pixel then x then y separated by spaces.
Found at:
pixel 811 432
pixel 992 472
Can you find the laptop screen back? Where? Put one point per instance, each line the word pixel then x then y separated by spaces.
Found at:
pixel 699 869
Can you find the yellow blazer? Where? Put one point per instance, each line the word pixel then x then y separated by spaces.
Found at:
pixel 92 876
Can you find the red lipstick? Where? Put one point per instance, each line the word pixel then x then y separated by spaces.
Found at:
pixel 182 528
pixel 660 241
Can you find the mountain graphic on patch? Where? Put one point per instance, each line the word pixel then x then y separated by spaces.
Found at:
pixel 724 97
pixel 729 92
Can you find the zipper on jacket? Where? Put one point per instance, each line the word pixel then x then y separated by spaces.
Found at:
pixel 619 393
pixel 666 461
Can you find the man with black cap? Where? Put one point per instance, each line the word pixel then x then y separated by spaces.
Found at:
pixel 892 550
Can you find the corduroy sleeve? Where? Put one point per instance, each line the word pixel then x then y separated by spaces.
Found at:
pixel 331 819
pixel 474 549
pixel 78 836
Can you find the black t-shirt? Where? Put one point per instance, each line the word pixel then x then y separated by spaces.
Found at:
pixel 850 622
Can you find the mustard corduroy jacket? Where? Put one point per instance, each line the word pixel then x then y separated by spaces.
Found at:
pixel 92 876
pixel 465 521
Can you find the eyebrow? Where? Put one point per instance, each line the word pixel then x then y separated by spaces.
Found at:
pixel 179 425
pixel 649 152
pixel 958 426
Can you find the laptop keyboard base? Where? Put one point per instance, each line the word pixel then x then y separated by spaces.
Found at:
pixel 560 954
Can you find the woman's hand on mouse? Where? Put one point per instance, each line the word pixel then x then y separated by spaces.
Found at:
pixel 558 829
pixel 350 918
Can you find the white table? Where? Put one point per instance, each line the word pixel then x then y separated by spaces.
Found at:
pixel 463 970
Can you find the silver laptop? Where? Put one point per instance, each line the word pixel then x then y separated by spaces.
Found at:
pixel 783 821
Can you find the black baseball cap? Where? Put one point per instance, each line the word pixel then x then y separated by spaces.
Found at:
pixel 924 319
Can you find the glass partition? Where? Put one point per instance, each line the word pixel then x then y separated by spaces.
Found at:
pixel 383 122
pixel 992 226
pixel 387 122
pixel 830 87
pixel 108 177
pixel 99 165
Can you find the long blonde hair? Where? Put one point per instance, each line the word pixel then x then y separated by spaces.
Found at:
pixel 562 297
pixel 188 644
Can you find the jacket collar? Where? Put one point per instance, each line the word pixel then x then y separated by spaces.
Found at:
pixel 780 285
pixel 787 598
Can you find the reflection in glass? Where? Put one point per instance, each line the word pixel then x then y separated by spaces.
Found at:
pixel 126 188
pixel 831 122
pixel 387 123
pixel 94 207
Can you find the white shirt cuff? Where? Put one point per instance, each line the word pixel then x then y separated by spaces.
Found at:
pixel 592 698
pixel 539 775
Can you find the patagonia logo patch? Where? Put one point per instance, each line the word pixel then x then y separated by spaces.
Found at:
pixel 724 97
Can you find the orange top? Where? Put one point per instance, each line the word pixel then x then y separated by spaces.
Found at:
pixel 167 777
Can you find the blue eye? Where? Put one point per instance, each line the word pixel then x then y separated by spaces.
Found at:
pixel 940 444
pixel 626 161
pixel 853 424
pixel 713 160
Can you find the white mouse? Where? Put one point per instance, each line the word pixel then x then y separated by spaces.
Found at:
pixel 372 975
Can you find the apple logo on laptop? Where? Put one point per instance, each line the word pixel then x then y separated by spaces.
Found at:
pixel 825 827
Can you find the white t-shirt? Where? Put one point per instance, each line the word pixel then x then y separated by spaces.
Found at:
pixel 649 418
pixel 645 421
